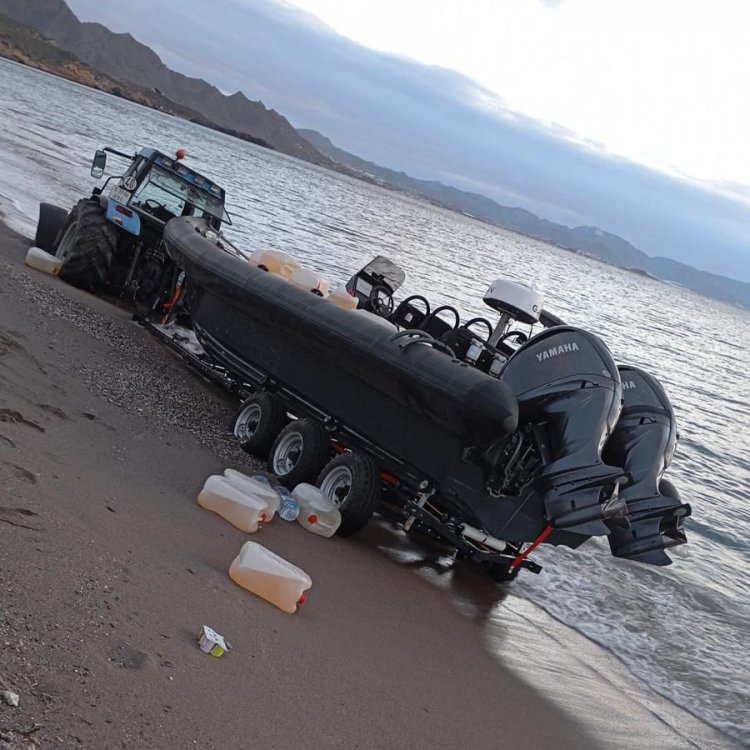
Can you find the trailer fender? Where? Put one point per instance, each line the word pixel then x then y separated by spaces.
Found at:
pixel 123 217
pixel 51 220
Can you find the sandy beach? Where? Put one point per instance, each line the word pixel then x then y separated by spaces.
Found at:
pixel 108 569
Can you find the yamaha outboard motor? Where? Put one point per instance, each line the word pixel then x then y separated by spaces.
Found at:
pixel 568 388
pixel 643 444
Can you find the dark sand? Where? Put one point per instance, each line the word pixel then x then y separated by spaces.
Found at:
pixel 108 569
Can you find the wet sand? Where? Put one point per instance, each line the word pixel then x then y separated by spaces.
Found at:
pixel 108 569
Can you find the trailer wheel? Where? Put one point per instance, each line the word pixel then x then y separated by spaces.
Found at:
pixel 299 452
pixel 257 423
pixel 51 221
pixel 353 482
pixel 86 246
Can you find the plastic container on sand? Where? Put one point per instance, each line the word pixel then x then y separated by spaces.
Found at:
pixel 238 506
pixel 43 261
pixel 289 508
pixel 258 486
pixel 269 576
pixel 317 513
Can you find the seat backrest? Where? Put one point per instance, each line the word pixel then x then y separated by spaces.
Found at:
pixel 407 315
pixel 436 327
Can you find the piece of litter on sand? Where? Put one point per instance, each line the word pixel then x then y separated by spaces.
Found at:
pixel 10 698
pixel 211 642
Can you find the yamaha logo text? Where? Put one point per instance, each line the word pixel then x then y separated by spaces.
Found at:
pixel 555 350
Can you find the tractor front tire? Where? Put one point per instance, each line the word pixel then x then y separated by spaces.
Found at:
pixel 86 246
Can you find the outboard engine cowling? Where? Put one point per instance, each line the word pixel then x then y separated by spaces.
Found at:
pixel 643 444
pixel 568 386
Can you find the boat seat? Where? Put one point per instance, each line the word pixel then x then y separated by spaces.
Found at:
pixel 437 326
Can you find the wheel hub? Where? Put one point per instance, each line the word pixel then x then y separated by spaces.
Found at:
pixel 247 422
pixel 287 453
pixel 337 485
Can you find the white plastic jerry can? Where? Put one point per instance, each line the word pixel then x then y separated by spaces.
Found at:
pixel 239 507
pixel 339 296
pixel 309 281
pixel 275 261
pixel 253 486
pixel 269 576
pixel 317 513
pixel 43 261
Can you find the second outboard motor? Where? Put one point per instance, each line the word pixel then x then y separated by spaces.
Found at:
pixel 568 387
pixel 643 443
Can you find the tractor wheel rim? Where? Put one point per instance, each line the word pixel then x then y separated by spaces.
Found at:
pixel 247 421
pixel 287 453
pixel 66 242
pixel 337 485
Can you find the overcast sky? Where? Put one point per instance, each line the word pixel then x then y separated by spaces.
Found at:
pixel 632 116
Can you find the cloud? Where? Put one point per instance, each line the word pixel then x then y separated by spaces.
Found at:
pixel 436 124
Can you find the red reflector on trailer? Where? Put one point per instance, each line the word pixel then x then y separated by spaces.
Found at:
pixel 123 210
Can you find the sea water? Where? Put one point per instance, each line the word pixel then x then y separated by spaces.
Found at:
pixel 681 630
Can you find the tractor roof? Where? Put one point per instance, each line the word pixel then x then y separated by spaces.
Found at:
pixel 181 170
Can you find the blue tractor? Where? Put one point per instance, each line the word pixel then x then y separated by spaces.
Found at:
pixel 112 241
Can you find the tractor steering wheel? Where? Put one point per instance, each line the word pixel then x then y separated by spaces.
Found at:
pixel 381 301
pixel 155 204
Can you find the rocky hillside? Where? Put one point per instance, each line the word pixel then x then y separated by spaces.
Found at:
pixel 22 44
pixel 124 59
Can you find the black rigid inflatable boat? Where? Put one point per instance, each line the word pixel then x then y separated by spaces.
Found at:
pixel 490 446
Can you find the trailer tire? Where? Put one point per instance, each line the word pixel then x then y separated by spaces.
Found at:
pixel 86 246
pixel 51 220
pixel 260 418
pixel 299 452
pixel 353 482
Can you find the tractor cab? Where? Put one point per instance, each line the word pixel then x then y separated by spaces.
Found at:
pixel 156 188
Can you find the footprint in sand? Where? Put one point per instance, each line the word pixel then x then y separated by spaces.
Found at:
pixel 127 657
pixel 56 411
pixel 9 345
pixel 15 417
pixel 8 515
pixel 17 472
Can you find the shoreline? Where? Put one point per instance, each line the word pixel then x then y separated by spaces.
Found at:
pixel 86 638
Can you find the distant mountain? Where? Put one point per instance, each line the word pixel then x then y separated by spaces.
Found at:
pixel 590 241
pixel 125 59
pixel 23 44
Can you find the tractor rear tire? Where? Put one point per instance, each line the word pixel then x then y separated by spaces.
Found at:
pixel 51 220
pixel 86 246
